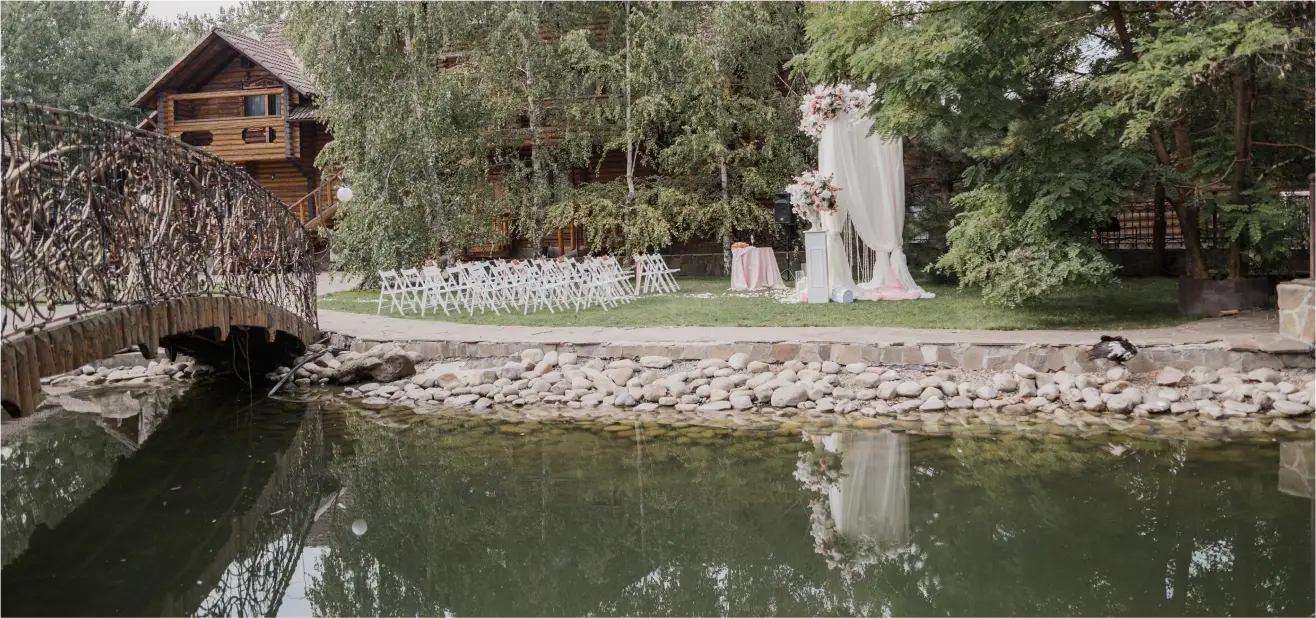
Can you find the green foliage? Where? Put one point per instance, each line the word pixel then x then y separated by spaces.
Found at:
pixel 541 93
pixel 94 57
pixel 1051 113
pixel 1014 263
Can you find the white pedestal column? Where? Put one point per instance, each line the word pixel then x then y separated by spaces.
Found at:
pixel 815 265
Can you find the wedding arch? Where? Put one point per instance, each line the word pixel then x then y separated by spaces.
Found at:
pixel 865 233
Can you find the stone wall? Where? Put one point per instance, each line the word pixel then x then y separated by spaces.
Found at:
pixel 1297 316
pixel 1071 358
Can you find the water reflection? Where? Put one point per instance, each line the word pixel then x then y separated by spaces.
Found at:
pixel 229 510
pixel 207 517
pixel 859 507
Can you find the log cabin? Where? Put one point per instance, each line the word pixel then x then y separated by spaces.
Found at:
pixel 249 102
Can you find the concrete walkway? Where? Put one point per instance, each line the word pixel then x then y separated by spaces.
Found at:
pixel 1255 330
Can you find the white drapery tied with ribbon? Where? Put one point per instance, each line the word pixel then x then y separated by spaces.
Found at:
pixel 871 204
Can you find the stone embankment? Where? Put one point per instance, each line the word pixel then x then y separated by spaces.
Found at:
pixel 1196 402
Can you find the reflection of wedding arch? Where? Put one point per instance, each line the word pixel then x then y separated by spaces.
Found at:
pixel 859 507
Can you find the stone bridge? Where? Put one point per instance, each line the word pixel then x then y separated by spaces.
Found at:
pixel 117 238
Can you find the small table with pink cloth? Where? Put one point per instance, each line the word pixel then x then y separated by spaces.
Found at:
pixel 754 268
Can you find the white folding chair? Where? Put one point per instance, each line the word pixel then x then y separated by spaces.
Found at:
pixel 389 285
pixel 412 289
pixel 439 292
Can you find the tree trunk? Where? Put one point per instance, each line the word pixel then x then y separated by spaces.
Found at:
pixel 630 135
pixel 1189 224
pixel 726 212
pixel 537 183
pixel 1159 229
pixel 1189 213
pixel 1242 159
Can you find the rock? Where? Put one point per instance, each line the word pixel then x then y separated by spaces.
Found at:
pixel 790 395
pixel 619 375
pixel 1169 376
pixel 867 380
pixel 395 366
pixel 1024 371
pixel 373 403
pixel 856 368
pixel 959 402
pixel 1005 383
pixel 930 393
pixel 887 390
pixel 842 394
pixel 73 404
pixel 890 375
pixel 715 406
pixel 348 372
pixel 655 362
pixel 1050 392
pixel 1286 387
pixel 1155 405
pixel 1290 408
pixel 741 402
pixel 532 356
pixel 567 358
pixel 1203 375
pixel 1119 404
pixel 1265 374
pixel 1240 408
pixel 1117 373
pixel 483 403
pixel 624 399
pixel 757 367
pixel 1208 408
pixel 738 361
pixel 909 388
pixel 1182 407
pixel 985 392
pixel 831 367
pixel 933 403
pixel 510 371
pixel 865 394
pixel 1117 386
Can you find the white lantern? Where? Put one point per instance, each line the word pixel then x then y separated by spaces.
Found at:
pixel 359 527
pixel 344 194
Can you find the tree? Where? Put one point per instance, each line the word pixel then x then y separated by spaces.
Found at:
pixel 1057 107
pixel 735 141
pixel 93 57
pixel 249 17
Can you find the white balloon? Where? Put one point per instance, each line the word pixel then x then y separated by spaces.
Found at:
pixel 344 194
pixel 359 527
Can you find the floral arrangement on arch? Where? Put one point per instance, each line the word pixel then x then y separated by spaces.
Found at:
pixel 826 103
pixel 812 194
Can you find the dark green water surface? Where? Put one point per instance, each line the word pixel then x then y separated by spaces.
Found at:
pixel 228 509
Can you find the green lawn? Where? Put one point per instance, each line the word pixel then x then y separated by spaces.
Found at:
pixel 706 301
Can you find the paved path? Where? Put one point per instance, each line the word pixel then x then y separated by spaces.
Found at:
pixel 1254 329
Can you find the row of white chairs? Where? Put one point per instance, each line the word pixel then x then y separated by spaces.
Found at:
pixel 527 285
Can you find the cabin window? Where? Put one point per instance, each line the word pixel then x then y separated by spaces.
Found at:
pixel 261 105
pixel 258 135
pixel 197 138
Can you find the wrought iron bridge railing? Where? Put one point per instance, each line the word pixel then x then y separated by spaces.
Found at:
pixel 99 215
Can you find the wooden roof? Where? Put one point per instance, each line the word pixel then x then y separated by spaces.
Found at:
pixel 217 49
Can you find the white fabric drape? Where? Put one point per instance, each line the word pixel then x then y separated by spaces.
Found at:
pixel 871 502
pixel 871 174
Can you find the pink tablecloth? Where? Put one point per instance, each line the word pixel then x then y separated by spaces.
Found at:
pixel 754 268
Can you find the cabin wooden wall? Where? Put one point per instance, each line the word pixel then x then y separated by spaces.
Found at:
pixel 283 178
pixel 232 77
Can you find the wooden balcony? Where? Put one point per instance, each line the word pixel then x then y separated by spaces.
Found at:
pixel 213 121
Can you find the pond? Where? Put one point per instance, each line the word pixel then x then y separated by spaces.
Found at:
pixel 206 505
